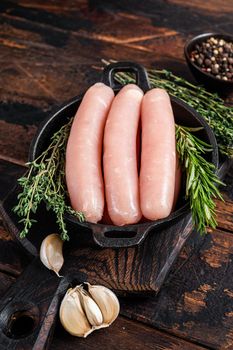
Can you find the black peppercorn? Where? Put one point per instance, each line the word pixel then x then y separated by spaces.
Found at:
pixel 199 61
pixel 207 62
pixel 214 70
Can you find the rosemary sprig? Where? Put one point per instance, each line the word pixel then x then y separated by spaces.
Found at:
pixel 201 179
pixel 45 181
pixel 210 106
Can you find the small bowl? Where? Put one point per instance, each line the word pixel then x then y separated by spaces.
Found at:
pixel 209 80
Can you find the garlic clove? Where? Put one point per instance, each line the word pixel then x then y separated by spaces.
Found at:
pixel 107 301
pixel 72 316
pixel 90 308
pixel 51 252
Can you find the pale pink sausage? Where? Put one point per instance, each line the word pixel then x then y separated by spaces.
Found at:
pixel 158 159
pixel 84 153
pixel 120 158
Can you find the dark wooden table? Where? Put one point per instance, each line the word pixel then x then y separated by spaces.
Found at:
pixel 50 51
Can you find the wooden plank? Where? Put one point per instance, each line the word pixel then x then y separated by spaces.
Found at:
pixel 16 152
pixel 210 6
pixel 35 73
pixel 228 189
pixel 27 28
pixel 28 66
pixel 197 296
pixel 12 257
pixel 60 7
pixel 9 173
pixel 225 215
pixel 124 335
pixel 100 12
pixel 40 83
pixel 32 81
pixel 224 210
pixel 6 282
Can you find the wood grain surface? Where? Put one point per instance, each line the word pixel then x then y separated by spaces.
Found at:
pixel 51 51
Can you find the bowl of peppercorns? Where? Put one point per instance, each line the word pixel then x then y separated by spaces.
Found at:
pixel 210 59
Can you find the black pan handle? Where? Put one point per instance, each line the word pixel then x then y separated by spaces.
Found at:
pixel 118 237
pixel 128 67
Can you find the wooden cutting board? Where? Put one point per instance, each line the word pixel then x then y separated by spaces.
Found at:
pixel 33 301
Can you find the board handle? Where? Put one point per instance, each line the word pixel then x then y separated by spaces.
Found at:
pixel 29 309
pixel 127 67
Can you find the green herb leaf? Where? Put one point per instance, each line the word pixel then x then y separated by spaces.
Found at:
pixel 201 179
pixel 45 181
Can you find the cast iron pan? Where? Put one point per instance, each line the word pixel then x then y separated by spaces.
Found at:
pixel 129 235
pixel 29 310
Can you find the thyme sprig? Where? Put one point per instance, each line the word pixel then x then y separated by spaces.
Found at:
pixel 45 181
pixel 201 179
pixel 210 106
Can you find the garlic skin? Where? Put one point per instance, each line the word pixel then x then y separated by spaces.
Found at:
pixel 72 316
pixel 51 253
pixel 90 308
pixel 107 302
pixel 82 312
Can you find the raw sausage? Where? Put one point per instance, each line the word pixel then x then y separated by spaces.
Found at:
pixel 84 153
pixel 158 158
pixel 120 159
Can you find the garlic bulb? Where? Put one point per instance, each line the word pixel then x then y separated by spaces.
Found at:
pixel 107 302
pixel 72 316
pixel 82 311
pixel 51 253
